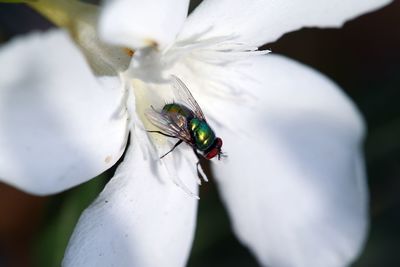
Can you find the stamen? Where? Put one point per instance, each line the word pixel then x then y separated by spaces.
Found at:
pixel 214 52
pixel 219 50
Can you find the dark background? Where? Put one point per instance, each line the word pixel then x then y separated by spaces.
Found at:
pixel 363 57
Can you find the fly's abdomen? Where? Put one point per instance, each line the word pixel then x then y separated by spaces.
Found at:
pixel 177 109
pixel 202 133
pixel 179 114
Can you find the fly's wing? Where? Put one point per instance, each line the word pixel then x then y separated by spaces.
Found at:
pixel 183 95
pixel 176 127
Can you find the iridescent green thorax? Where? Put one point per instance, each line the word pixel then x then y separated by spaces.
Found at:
pixel 203 135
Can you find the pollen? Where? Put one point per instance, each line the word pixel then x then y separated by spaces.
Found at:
pixel 129 52
pixel 152 43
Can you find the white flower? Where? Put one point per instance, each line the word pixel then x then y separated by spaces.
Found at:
pixel 294 182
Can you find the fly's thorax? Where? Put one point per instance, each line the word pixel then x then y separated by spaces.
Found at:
pixel 203 135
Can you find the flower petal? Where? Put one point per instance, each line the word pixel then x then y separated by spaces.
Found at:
pixel 294 181
pixel 257 22
pixel 59 125
pixel 140 219
pixel 81 20
pixel 137 24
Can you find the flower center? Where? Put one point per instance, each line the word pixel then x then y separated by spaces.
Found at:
pixel 148 85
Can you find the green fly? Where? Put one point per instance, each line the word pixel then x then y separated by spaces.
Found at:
pixel 185 121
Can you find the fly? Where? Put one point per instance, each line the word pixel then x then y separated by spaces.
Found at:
pixel 185 121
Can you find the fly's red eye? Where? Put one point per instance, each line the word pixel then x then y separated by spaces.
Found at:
pixel 215 149
pixel 213 152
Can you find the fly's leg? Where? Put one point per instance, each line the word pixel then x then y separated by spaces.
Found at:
pixel 198 159
pixel 162 133
pixel 172 149
pixel 200 171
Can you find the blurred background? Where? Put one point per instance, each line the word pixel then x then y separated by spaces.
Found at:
pixel 363 57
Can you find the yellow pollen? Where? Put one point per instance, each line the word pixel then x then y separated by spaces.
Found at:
pixel 130 52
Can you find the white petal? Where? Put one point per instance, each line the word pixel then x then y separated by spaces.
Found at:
pixel 256 22
pixel 59 125
pixel 81 20
pixel 140 219
pixel 294 181
pixel 136 24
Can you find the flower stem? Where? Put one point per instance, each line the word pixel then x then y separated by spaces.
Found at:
pixel 63 13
